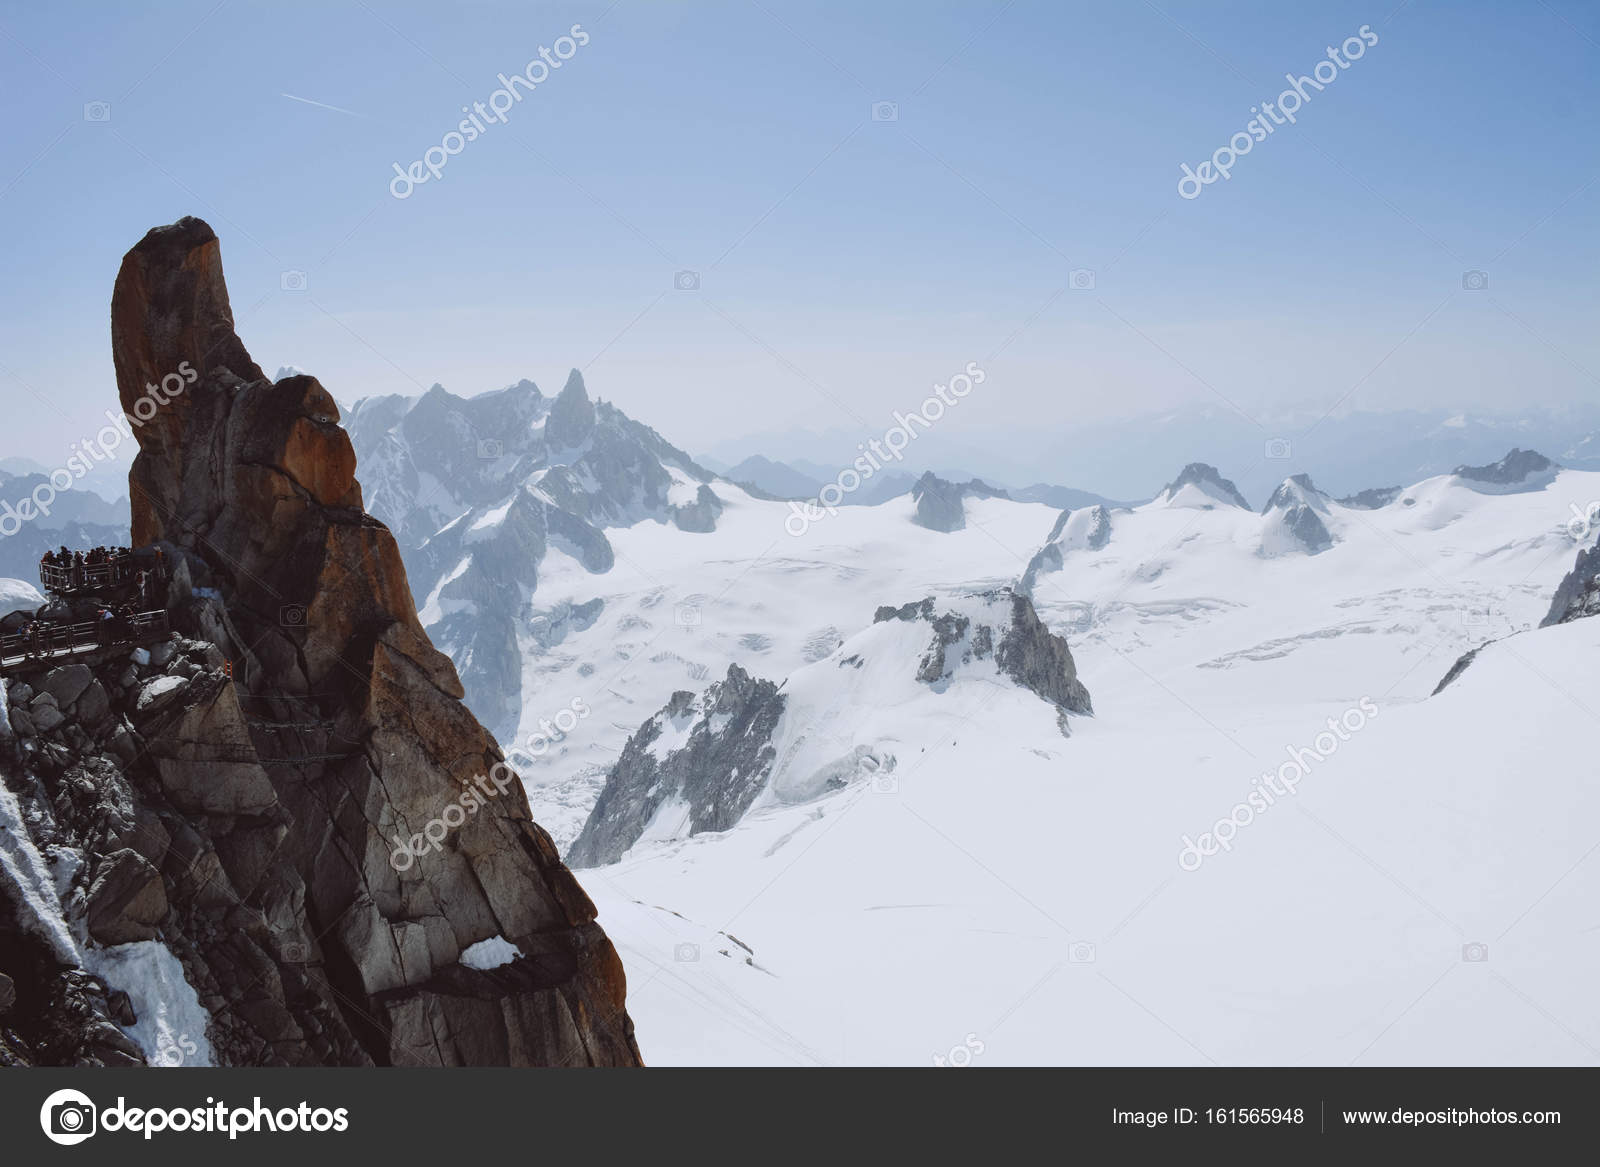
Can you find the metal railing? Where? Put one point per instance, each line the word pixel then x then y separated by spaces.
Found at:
pixel 84 577
pixel 42 641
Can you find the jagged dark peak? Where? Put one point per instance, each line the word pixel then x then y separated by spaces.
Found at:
pixel 939 501
pixel 1296 490
pixel 999 623
pixel 1207 480
pixel 572 416
pixel 712 752
pixel 1084 529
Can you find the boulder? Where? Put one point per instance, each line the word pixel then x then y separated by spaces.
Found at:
pixel 93 704
pixel 158 693
pixel 127 899
pixel 45 714
pixel 67 682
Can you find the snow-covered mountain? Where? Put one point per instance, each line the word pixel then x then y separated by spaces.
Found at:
pixel 812 843
pixel 1199 485
pixel 1297 515
pixel 481 492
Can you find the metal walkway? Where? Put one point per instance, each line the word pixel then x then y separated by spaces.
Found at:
pixel 42 642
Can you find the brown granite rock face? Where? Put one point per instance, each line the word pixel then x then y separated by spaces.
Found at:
pixel 348 711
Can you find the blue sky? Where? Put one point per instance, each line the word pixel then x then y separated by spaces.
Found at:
pixel 845 263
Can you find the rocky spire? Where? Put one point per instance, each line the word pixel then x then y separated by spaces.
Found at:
pixel 572 415
pixel 252 486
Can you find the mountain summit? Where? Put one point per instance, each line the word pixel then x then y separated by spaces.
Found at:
pixel 1200 485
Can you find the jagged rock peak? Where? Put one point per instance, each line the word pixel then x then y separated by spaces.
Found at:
pixel 1206 486
pixel 1297 490
pixel 572 416
pixel 1515 468
pixel 1084 529
pixel 1519 472
pixel 1578 595
pixel 940 502
pixel 1001 623
pixel 252 486
pixel 703 758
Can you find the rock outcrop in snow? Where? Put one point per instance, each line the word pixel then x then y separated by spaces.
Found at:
pixel 1085 529
pixel 940 503
pixel 1200 485
pixel 703 762
pixel 1294 519
pixel 1579 593
pixel 1004 627
pixel 1372 499
pixel 695 766
pixel 1518 471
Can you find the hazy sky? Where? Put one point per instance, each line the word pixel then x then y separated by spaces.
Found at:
pixel 844 262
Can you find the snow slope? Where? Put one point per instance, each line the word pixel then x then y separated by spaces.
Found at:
pixel 1026 888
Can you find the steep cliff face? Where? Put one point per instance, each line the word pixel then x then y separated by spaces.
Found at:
pixel 695 766
pixel 1579 593
pixel 941 504
pixel 326 760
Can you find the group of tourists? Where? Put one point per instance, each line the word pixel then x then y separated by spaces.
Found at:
pixel 110 626
pixel 112 586
pixel 64 570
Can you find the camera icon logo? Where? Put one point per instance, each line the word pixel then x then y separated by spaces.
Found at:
pixel 884 782
pixel 1475 281
pixel 292 616
pixel 97 111
pixel 1475 953
pixel 292 281
pixel 686 281
pixel 1081 279
pixel 1584 521
pixel 885 111
pixel 1279 449
pixel 491 448
pixel 686 953
pixel 68 1117
pixel 1081 953
pixel 687 615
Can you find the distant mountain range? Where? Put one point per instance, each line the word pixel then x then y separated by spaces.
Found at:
pixel 76 518
pixel 1131 459
pixel 803 479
